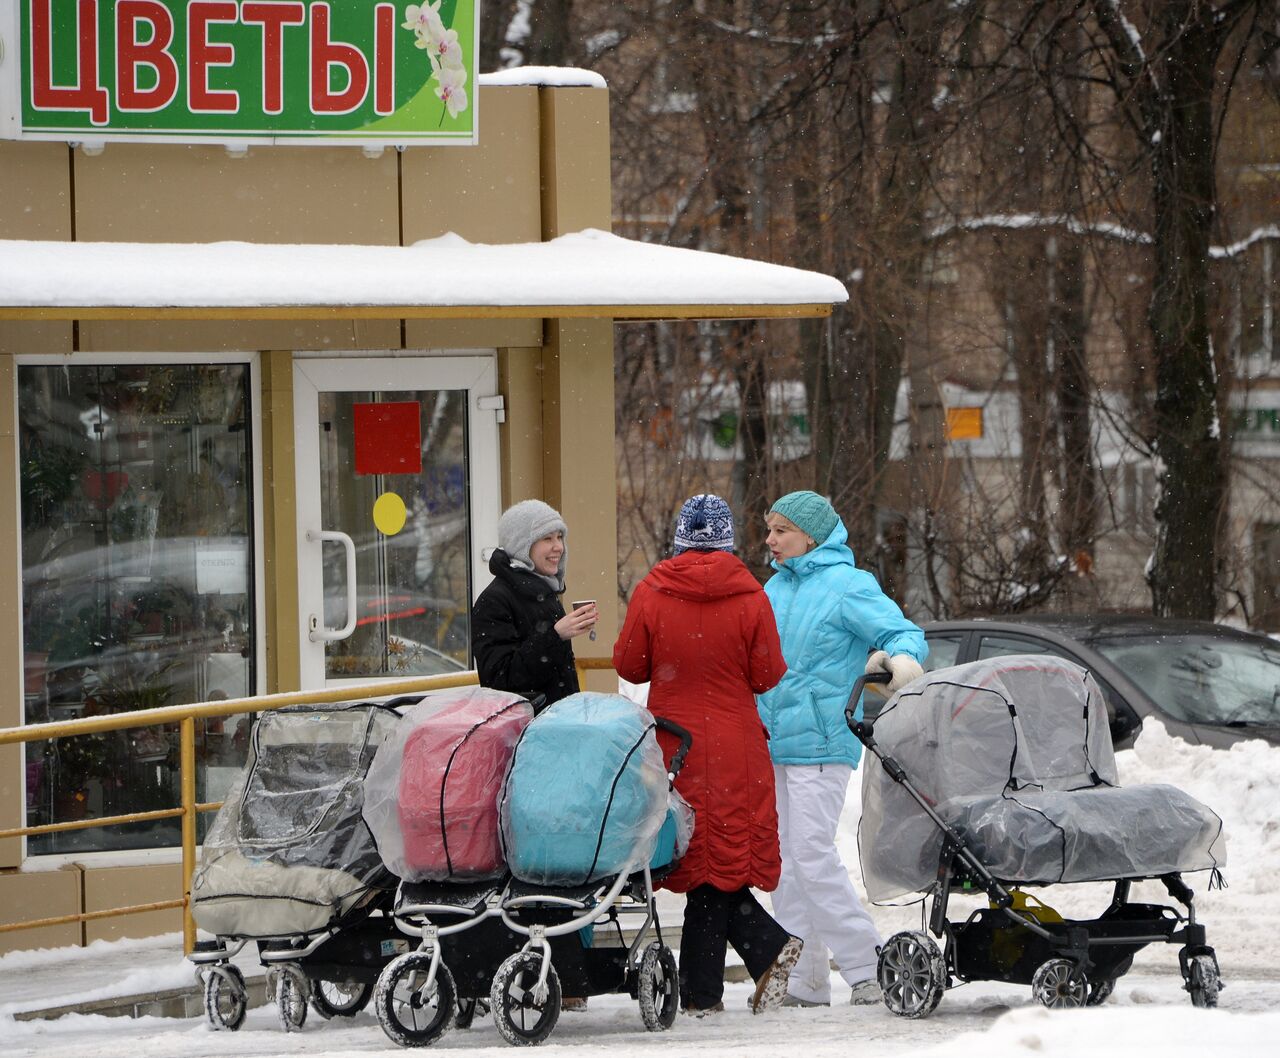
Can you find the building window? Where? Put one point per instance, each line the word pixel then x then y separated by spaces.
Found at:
pixel 1253 323
pixel 137 584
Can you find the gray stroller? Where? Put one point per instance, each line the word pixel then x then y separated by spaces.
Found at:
pixel 290 865
pixel 998 775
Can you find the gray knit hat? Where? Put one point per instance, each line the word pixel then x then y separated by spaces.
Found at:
pixel 705 524
pixel 808 512
pixel 524 524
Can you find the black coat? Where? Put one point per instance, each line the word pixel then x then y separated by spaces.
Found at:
pixel 513 634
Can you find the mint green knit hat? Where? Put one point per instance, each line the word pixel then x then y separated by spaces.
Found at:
pixel 809 512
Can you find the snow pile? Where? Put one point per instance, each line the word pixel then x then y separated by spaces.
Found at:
pixel 1173 1032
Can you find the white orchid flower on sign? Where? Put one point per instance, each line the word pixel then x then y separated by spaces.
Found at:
pixel 425 22
pixel 447 50
pixel 452 89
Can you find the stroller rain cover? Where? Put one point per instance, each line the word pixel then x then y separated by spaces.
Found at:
pixel 1015 753
pixel 431 795
pixel 288 852
pixel 588 797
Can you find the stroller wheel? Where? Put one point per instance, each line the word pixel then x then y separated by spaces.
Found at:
pixel 911 974
pixel 658 988
pixel 1203 980
pixel 1060 984
pixel 1099 992
pixel 413 1012
pixel 522 1015
pixel 340 999
pixel 292 991
pixel 225 997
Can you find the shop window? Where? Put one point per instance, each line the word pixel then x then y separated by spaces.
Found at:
pixel 137 585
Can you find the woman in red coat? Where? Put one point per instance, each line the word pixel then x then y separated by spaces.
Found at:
pixel 701 631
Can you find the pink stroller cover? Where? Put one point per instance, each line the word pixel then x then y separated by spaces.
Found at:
pixel 436 817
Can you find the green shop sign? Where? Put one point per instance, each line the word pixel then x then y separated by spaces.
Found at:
pixel 235 71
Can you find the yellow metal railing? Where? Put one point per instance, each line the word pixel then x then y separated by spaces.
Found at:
pixel 186 716
pixel 585 665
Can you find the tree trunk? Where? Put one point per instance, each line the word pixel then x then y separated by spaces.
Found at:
pixel 1190 473
pixel 1078 507
pixel 495 20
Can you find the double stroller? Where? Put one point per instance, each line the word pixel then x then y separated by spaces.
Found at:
pixel 289 865
pixel 991 777
pixel 502 828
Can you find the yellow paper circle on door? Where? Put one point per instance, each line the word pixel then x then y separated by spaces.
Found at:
pixel 389 513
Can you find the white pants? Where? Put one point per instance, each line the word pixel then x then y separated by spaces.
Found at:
pixel 815 900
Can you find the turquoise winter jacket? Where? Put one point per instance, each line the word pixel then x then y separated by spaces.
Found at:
pixel 830 615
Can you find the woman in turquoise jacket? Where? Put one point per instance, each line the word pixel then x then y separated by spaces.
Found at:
pixel 834 623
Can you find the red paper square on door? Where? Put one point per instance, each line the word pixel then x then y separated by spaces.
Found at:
pixel 388 437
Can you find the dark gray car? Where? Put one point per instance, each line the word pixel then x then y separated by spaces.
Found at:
pixel 1205 682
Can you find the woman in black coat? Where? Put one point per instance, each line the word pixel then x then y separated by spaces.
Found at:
pixel 519 629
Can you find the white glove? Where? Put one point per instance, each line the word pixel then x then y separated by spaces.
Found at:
pixel 903 667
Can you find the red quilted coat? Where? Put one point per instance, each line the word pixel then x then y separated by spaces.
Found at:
pixel 701 629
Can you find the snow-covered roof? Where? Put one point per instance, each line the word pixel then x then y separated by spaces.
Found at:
pixel 587 274
pixel 545 77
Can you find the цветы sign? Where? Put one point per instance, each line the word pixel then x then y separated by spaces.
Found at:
pixel 353 71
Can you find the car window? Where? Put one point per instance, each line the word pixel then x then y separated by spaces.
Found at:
pixel 944 651
pixel 1204 679
pixel 997 646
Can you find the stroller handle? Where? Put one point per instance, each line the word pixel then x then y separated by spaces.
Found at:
pixel 686 743
pixel 863 728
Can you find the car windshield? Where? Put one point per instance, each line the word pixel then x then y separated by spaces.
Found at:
pixel 1203 679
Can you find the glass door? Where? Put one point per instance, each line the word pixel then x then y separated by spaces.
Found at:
pixel 398 499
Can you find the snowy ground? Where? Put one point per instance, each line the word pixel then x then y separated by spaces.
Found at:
pixel 1149 1012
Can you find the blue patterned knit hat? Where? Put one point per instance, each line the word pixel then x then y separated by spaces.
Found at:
pixel 705 524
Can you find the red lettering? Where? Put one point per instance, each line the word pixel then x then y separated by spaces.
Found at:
pixel 86 94
pixel 132 53
pixel 326 53
pixel 202 53
pixel 384 59
pixel 272 16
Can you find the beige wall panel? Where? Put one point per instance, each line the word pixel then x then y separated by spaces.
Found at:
pixel 575 160
pixel 35 190
pixel 11 799
pixel 108 887
pixel 521 436
pixel 579 475
pixel 169 193
pixel 109 336
pixel 30 336
pixel 471 334
pixel 486 193
pixel 40 894
pixel 280 524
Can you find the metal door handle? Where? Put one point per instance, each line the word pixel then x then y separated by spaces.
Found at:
pixel 316 630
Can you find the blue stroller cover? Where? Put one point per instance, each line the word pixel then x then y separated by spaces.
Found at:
pixel 587 795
